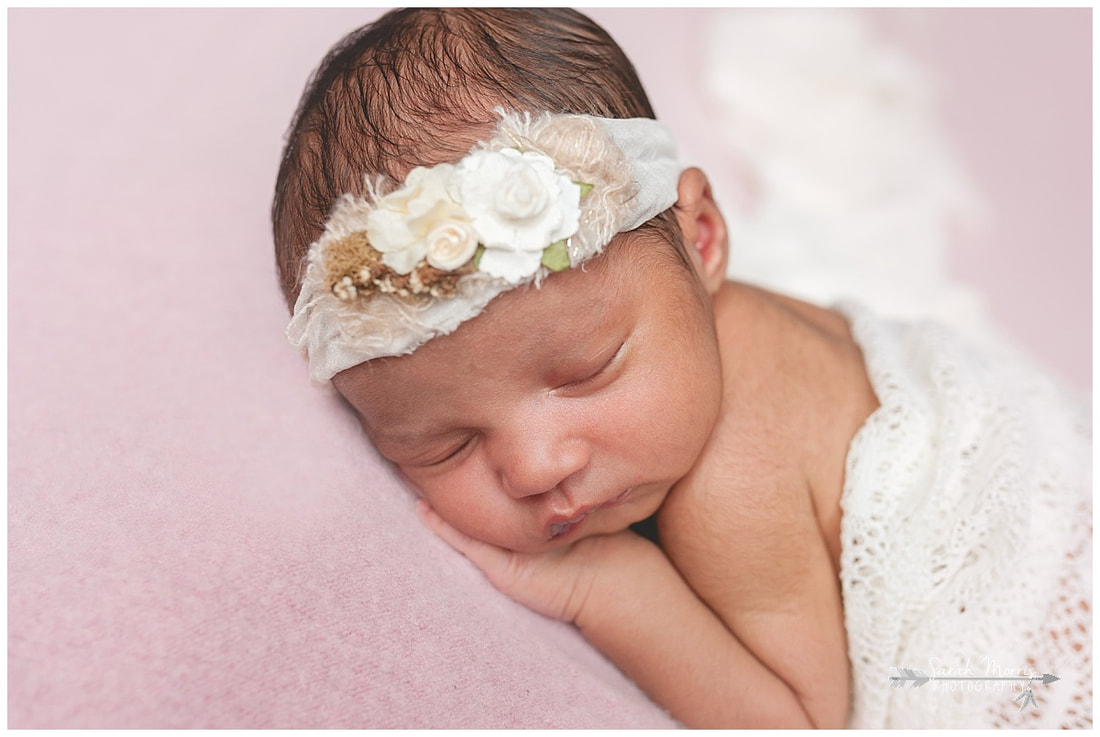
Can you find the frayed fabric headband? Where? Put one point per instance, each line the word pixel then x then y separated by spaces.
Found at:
pixel 545 193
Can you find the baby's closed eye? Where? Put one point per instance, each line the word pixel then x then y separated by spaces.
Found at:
pixel 454 452
pixel 587 377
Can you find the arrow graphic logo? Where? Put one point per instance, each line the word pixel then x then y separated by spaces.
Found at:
pixel 913 678
pixel 904 675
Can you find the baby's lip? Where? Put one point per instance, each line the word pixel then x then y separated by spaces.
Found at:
pixel 562 523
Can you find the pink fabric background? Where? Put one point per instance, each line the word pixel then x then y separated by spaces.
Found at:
pixel 197 537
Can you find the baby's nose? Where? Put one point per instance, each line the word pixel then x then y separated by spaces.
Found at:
pixel 532 466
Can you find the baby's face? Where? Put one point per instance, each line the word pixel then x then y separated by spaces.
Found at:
pixel 558 412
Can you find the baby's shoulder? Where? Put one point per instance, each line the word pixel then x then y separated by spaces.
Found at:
pixel 795 393
pixel 744 520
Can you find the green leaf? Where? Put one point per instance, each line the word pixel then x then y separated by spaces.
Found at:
pixel 477 255
pixel 555 256
pixel 585 188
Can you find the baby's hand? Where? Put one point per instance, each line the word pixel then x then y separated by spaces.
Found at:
pixel 555 583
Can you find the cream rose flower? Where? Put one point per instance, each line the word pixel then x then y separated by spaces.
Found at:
pixel 451 245
pixel 518 205
pixel 401 227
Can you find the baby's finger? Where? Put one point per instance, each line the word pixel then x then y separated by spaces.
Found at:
pixel 488 558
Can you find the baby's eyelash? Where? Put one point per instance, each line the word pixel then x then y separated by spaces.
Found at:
pixel 454 453
pixel 596 374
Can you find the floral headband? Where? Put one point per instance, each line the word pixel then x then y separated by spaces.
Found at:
pixel 545 193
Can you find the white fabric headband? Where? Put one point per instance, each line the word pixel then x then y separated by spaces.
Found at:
pixel 544 193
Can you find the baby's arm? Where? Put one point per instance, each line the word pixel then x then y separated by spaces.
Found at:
pixel 757 556
pixel 647 619
pixel 632 604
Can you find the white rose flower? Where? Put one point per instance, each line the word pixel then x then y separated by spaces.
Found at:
pixel 451 244
pixel 400 227
pixel 518 206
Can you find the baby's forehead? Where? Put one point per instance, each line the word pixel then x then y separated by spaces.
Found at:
pixel 567 318
pixel 563 309
pixel 570 303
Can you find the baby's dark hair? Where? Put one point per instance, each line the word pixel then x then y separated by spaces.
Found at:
pixel 419 86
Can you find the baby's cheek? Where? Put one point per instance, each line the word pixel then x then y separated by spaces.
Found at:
pixel 683 421
pixel 467 499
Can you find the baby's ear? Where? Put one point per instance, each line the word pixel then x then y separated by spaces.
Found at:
pixel 703 227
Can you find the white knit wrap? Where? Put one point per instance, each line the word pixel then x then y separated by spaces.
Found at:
pixel 633 171
pixel 966 540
